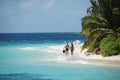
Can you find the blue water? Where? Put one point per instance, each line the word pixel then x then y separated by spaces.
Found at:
pixel 26 56
pixel 38 38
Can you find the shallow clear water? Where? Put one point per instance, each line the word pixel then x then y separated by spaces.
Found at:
pixel 36 61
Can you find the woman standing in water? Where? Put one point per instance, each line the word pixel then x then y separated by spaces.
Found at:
pixel 72 49
pixel 66 49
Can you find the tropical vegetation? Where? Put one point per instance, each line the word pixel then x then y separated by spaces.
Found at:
pixel 101 25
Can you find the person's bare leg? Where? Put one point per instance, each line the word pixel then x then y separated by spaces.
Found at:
pixel 71 53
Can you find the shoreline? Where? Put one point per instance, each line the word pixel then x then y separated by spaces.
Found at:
pixel 92 59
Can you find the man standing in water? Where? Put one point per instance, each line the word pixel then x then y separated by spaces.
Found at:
pixel 72 49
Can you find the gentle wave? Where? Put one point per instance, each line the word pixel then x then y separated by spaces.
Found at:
pixel 23 76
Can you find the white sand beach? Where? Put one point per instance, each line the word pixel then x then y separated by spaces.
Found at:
pixel 91 58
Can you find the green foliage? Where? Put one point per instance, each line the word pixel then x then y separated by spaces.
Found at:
pixel 110 46
pixel 91 46
pixel 102 26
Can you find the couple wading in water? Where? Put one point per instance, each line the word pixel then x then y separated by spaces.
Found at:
pixel 67 48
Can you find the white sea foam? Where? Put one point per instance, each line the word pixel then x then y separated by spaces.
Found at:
pixel 61 58
pixel 58 55
pixel 43 49
pixel 66 59
pixel 29 48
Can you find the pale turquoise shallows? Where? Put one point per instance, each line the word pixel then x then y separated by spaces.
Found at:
pixel 30 62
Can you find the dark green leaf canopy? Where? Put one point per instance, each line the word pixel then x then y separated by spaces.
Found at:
pixel 103 20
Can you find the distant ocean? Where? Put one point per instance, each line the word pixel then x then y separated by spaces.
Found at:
pixel 26 56
pixel 39 38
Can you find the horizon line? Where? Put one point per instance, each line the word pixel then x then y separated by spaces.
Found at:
pixel 36 32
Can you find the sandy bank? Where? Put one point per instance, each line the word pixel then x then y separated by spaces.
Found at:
pixel 93 59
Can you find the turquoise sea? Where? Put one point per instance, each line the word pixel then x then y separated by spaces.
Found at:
pixel 27 56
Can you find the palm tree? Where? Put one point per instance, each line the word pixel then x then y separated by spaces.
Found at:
pixel 93 27
pixel 103 19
